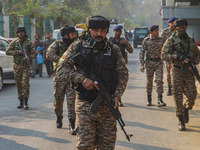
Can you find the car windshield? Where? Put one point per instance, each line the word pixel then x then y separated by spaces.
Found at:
pixel 3 45
pixel 141 31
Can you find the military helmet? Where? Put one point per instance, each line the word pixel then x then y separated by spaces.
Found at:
pixel 67 29
pixel 180 22
pixel 97 22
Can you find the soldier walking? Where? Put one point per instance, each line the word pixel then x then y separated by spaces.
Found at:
pixel 19 49
pixel 182 51
pixel 106 62
pixel 122 43
pixel 152 46
pixel 62 87
pixel 165 35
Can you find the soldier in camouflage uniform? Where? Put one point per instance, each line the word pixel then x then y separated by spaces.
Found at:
pixel 62 87
pixel 122 43
pixel 165 35
pixel 152 46
pixel 20 65
pixel 106 62
pixel 180 49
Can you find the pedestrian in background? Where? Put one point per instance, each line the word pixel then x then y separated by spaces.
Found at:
pixel 165 35
pixel 21 65
pixel 36 68
pixel 152 46
pixel 62 87
pixel 95 131
pixel 181 50
pixel 122 43
pixel 49 65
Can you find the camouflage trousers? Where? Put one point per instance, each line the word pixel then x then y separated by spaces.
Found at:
pixel 183 84
pixel 22 78
pixel 62 88
pixel 95 131
pixel 168 71
pixel 157 68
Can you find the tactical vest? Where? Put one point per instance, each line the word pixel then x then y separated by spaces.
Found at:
pixel 101 65
pixel 189 49
pixel 18 59
pixel 121 46
pixel 61 48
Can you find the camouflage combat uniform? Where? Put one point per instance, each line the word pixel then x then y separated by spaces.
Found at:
pixel 61 87
pixel 165 35
pixel 94 130
pixel 153 62
pixel 181 83
pixel 21 69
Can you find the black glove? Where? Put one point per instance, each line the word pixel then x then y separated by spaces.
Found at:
pixel 182 57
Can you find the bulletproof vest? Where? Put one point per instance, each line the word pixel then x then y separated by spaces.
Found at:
pixel 18 59
pixel 101 65
pixel 61 48
pixel 121 46
pixel 184 46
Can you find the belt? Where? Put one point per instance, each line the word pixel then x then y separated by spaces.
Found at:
pixel 153 59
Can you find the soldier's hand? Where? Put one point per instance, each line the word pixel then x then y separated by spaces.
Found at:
pixel 142 68
pixel 116 100
pixel 89 84
pixel 20 52
pixel 183 59
pixel 123 41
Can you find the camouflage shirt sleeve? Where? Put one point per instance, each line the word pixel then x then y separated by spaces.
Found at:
pixel 167 51
pixel 122 73
pixel 197 59
pixel 65 68
pixel 33 53
pixel 142 52
pixel 51 53
pixel 11 49
pixel 129 47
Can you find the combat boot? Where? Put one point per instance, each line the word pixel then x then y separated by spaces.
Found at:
pixel 160 101
pixel 59 121
pixel 149 100
pixel 181 125
pixel 26 107
pixel 169 93
pixel 186 115
pixel 120 103
pixel 72 129
pixel 21 104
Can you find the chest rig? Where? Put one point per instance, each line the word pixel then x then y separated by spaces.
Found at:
pixel 99 64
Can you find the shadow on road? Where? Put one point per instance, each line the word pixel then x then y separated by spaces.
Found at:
pixel 140 146
pixel 7 144
pixel 5 130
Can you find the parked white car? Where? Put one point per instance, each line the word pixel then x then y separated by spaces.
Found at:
pixel 6 62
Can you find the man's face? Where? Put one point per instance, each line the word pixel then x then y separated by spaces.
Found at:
pixel 183 27
pixel 117 33
pixel 21 34
pixel 171 25
pixel 98 34
pixel 72 35
pixel 37 37
pixel 47 36
pixel 155 33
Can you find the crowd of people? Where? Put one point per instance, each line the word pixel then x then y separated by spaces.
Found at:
pixel 80 65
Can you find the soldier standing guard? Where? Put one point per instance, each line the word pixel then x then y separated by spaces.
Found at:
pixel 62 87
pixel 19 49
pixel 122 43
pixel 181 50
pixel 107 64
pixel 152 46
pixel 165 35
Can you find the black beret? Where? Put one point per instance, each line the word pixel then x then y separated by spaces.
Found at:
pixel 21 29
pixel 97 22
pixel 172 19
pixel 180 22
pixel 153 27
pixel 67 29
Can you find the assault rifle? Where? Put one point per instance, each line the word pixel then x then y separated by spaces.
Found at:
pixel 103 95
pixel 25 56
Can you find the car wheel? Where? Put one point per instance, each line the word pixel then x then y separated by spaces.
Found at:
pixel 1 80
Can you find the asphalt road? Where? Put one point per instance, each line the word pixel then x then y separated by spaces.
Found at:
pixel 153 128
